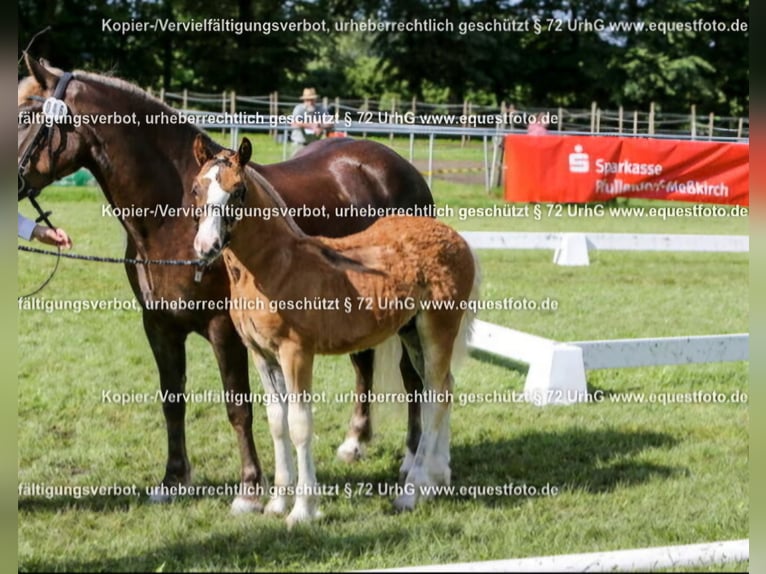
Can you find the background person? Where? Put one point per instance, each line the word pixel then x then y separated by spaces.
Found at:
pixel 539 125
pixel 310 120
pixel 29 230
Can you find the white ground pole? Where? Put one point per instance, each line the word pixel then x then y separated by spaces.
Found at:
pixel 641 560
pixel 574 248
pixel 556 372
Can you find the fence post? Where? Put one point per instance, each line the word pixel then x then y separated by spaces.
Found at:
pixel 693 121
pixel 466 107
pixel 740 126
pixel 486 165
pixel 711 126
pixel 592 117
pixel 430 158
pixel 561 118
pixel 337 109
pixel 503 112
pixel 393 113
pixel 185 102
pixel 635 122
pixel 598 120
pixel 620 113
pixel 412 133
pixel 233 102
pixel 274 111
pixel 162 94
pixel 651 119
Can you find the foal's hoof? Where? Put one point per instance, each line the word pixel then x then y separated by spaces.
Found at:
pixel 350 451
pixel 277 505
pixel 302 515
pixel 246 505
pixel 405 502
pixel 404 469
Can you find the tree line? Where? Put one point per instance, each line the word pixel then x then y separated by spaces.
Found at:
pixel 582 51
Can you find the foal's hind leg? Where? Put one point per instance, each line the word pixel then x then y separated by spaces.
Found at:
pixel 360 427
pixel 436 334
pixel 413 371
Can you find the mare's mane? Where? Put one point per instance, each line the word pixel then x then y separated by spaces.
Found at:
pixel 331 255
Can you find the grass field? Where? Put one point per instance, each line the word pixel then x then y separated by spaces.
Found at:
pixel 618 475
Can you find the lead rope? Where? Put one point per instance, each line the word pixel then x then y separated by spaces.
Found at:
pixel 200 263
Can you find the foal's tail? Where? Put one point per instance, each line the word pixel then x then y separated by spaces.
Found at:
pixel 460 348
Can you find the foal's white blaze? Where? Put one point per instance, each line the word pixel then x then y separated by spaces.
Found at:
pixel 209 232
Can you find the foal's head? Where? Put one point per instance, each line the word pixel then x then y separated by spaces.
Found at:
pixel 218 192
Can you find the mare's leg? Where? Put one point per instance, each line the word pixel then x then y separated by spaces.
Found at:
pixel 437 333
pixel 231 355
pixel 360 427
pixel 297 366
pixel 275 389
pixel 168 346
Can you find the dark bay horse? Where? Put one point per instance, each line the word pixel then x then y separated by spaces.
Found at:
pixel 417 278
pixel 144 166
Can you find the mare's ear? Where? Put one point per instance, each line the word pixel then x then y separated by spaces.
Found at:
pixel 202 149
pixel 245 152
pixel 43 75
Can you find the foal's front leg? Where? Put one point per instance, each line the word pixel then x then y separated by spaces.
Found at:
pixel 297 365
pixel 275 390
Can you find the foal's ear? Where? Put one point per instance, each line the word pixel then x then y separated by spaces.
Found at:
pixel 202 149
pixel 245 152
pixel 43 75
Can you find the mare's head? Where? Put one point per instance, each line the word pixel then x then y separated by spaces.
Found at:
pixel 50 145
pixel 218 192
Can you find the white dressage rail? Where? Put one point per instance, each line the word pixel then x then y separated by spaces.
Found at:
pixel 556 372
pixel 557 369
pixel 573 248
pixel 639 560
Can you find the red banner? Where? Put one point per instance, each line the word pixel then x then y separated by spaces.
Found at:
pixel 580 169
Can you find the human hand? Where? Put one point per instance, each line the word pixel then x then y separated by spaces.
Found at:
pixel 52 236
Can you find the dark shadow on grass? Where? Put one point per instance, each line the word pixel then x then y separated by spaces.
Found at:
pixel 592 461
